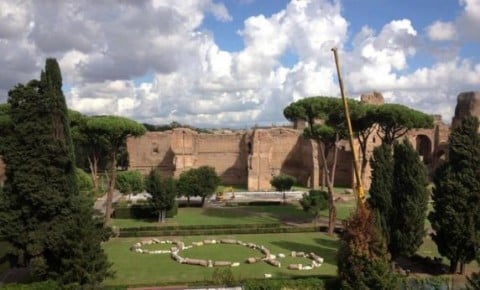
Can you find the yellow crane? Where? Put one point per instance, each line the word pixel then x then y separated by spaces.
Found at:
pixel 359 186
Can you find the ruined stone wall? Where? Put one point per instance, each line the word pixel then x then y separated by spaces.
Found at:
pixel 279 150
pixel 253 158
pixel 228 153
pixel 468 104
pixel 173 152
pixel 152 150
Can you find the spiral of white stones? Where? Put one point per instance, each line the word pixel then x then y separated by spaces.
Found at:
pixel 269 258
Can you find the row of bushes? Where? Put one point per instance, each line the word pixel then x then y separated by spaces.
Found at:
pixel 199 227
pixel 312 283
pixel 225 231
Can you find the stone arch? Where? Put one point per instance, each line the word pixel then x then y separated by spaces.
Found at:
pixel 424 148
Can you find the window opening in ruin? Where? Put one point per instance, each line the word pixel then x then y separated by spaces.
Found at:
pixel 424 147
pixel 249 145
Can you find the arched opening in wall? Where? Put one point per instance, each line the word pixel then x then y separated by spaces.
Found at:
pixel 424 148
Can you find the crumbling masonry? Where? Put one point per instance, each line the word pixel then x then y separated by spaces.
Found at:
pixel 251 158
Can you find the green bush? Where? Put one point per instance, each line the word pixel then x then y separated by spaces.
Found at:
pixel 129 182
pixel 173 211
pixel 300 284
pixel 84 181
pixel 141 211
pixel 45 285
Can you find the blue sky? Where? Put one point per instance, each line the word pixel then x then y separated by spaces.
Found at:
pixel 238 63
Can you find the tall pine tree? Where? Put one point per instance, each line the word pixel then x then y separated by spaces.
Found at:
pixel 380 201
pixel 410 197
pixel 456 197
pixel 42 214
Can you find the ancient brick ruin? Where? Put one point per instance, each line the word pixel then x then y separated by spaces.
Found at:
pixel 252 158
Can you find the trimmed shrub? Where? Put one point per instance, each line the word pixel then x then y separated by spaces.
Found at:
pixel 84 181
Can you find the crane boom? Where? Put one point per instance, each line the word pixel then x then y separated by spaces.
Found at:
pixel 359 186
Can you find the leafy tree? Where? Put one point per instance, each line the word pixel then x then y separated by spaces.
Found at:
pixel 84 181
pixel 325 133
pixel 42 214
pixel 456 197
pixel 186 183
pixel 163 192
pixel 410 197
pixel 202 181
pixel 396 120
pixel 314 202
pixel 380 200
pixel 91 147
pixel 282 183
pixel 363 260
pixel 129 182
pixel 363 125
pixel 113 131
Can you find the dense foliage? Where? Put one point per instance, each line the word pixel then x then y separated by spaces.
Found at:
pixel 396 120
pixel 325 133
pixel 129 182
pixel 42 214
pixel 163 192
pixel 410 199
pixel 380 200
pixel 84 182
pixel 283 182
pixel 112 132
pixel 202 182
pixel 456 197
pixel 314 202
pixel 363 260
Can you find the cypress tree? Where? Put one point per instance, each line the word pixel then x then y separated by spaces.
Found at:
pixel 42 214
pixel 456 197
pixel 410 197
pixel 380 201
pixel 363 260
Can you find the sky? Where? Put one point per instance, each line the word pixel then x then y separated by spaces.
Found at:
pixel 239 63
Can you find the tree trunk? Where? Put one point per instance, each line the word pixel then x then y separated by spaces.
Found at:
pixel 203 201
pixel 453 266
pixel 188 200
pixel 160 216
pixel 331 206
pixel 284 197
pixel 93 164
pixel 462 268
pixel 111 188
pixel 334 165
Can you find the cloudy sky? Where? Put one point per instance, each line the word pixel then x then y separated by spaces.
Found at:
pixel 237 63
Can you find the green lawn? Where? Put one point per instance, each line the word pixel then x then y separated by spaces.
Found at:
pixel 240 215
pixel 144 269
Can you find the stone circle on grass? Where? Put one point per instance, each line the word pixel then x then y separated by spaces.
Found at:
pixel 268 257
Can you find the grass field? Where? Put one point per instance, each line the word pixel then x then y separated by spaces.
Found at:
pixel 144 269
pixel 240 215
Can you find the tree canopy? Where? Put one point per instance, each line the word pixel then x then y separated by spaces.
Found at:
pixel 380 200
pixel 202 181
pixel 163 192
pixel 113 131
pixel 396 120
pixel 326 127
pixel 455 217
pixel 409 201
pixel 42 214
